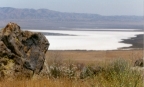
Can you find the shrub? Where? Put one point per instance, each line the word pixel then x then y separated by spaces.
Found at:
pixel 119 74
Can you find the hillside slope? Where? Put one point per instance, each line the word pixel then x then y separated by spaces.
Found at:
pixel 48 19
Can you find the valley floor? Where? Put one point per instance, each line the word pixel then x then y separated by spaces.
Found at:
pixel 83 56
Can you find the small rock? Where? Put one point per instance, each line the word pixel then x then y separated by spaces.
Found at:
pixel 139 63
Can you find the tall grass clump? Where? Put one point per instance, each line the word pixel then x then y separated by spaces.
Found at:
pixel 58 68
pixel 119 74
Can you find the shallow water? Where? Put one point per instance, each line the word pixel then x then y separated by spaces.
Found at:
pixel 87 40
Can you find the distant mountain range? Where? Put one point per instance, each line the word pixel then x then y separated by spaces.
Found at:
pixel 48 19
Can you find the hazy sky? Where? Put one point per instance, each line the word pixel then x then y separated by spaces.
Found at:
pixel 103 7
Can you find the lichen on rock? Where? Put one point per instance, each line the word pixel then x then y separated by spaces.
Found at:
pixel 21 51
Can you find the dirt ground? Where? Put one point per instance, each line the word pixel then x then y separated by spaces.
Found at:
pixel 94 56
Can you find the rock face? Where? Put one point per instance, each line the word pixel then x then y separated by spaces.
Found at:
pixel 21 51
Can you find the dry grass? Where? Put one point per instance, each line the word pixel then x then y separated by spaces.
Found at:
pixel 117 72
pixel 95 56
pixel 51 83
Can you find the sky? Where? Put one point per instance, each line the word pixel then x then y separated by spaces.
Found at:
pixel 102 7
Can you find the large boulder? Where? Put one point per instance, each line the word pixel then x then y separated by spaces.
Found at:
pixel 21 51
